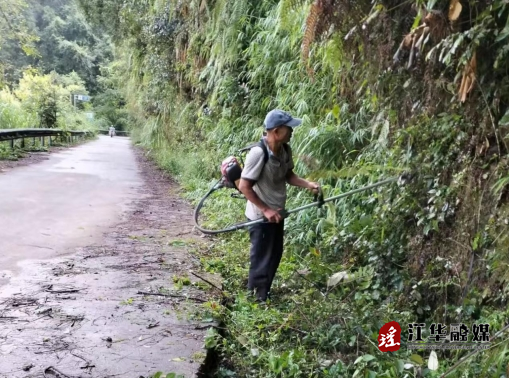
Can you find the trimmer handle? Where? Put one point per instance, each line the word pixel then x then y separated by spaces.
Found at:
pixel 284 214
pixel 318 197
pixel 405 178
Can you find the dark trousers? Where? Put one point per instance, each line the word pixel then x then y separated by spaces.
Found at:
pixel 265 256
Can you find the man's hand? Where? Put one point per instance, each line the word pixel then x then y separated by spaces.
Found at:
pixel 314 187
pixel 272 215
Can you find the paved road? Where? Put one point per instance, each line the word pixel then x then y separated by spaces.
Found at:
pixel 68 201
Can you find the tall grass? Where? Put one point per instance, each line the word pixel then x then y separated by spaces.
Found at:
pixel 12 113
pixel 15 115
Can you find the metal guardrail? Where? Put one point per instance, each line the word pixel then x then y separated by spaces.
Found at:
pixel 14 134
pixel 117 132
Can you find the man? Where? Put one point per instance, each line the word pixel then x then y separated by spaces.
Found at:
pixel 263 182
pixel 112 131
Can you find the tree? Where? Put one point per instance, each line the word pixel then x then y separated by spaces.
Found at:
pixel 109 104
pixel 16 39
pixel 48 96
pixel 50 35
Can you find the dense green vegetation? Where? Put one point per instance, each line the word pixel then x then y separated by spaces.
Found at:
pixel 50 35
pixel 49 52
pixel 42 101
pixel 198 78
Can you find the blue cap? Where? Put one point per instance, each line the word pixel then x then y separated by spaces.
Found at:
pixel 276 118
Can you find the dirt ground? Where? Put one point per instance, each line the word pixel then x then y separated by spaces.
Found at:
pixel 29 158
pixel 113 310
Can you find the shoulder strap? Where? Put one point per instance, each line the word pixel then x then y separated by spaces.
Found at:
pixel 264 148
pixel 262 145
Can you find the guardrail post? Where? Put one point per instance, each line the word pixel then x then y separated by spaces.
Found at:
pixel 12 144
pixel 33 142
pixel 42 141
pixel 22 142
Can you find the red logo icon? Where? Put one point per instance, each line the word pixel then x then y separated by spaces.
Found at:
pixel 389 337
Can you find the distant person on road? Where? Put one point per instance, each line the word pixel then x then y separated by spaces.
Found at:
pixel 112 131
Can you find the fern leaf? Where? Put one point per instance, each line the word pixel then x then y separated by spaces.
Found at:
pixel 312 21
pixel 294 4
pixel 203 5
